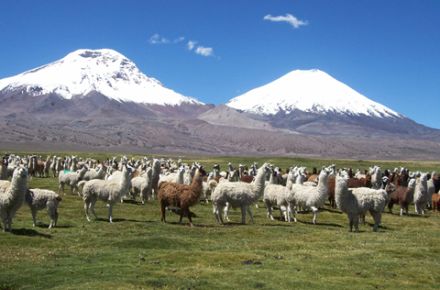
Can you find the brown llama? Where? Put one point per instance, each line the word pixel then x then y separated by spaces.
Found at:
pixel 181 195
pixel 403 196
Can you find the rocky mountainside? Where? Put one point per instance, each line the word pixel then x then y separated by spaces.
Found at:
pixel 98 100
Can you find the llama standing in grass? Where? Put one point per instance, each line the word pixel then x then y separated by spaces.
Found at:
pixel 181 195
pixel 109 191
pixel 402 195
pixel 38 199
pixel 71 179
pixel 155 176
pixel 355 202
pixel 12 196
pixel 276 194
pixel 312 197
pixel 239 194
pixel 142 185
pixel 421 194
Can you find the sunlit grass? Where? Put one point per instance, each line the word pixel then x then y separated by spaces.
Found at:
pixel 138 251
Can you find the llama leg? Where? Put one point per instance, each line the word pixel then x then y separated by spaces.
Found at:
pixel 51 214
pixel 182 212
pixel 283 213
pixel 220 215
pixel 292 207
pixel 390 206
pixel 34 216
pixel 401 211
pixel 143 194
pixel 92 208
pixel 356 222
pixel 286 214
pixel 293 211
pixel 315 214
pixel 243 214
pixel 55 217
pixel 377 218
pixel 9 222
pixel 269 210
pixel 86 209
pixel 250 214
pixel 225 212
pixel 162 212
pixel 110 212
pixel 189 217
pixel 350 222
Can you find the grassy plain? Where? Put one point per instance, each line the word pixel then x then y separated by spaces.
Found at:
pixel 137 251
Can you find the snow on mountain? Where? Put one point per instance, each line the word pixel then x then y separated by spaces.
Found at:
pixel 309 91
pixel 104 70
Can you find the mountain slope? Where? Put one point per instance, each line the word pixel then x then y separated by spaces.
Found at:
pixel 99 100
pixel 309 91
pixel 104 71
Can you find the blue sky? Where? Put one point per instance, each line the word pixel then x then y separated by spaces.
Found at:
pixel 387 50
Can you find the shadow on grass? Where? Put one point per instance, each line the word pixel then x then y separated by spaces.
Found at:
pixel 380 227
pixel 321 224
pixel 280 224
pixel 332 210
pixel 44 225
pixel 118 220
pixel 132 201
pixel 29 233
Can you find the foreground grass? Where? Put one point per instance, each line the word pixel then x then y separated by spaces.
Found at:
pixel 138 251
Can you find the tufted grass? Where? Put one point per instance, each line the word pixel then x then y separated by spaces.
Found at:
pixel 137 251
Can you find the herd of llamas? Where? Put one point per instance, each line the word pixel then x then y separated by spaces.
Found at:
pixel 178 186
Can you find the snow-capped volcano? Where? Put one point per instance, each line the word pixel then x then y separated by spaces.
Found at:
pixel 104 71
pixel 310 91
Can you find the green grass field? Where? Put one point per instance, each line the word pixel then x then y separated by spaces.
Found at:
pixel 137 251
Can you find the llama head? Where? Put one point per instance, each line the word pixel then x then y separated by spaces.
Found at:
pixel 20 172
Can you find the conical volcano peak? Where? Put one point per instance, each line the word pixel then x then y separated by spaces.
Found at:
pixel 309 91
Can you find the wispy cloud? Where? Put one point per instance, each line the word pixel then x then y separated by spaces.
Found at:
pixel 179 39
pixel 289 18
pixel 198 49
pixel 204 51
pixel 157 39
pixel 191 44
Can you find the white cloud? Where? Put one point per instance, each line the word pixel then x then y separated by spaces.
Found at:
pixel 157 39
pixel 204 51
pixel 191 44
pixel 179 39
pixel 289 18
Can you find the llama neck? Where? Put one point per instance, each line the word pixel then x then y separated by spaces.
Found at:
pixel 197 185
pixel 258 184
pixel 322 183
pixel 124 183
pixel 341 192
pixel 18 187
